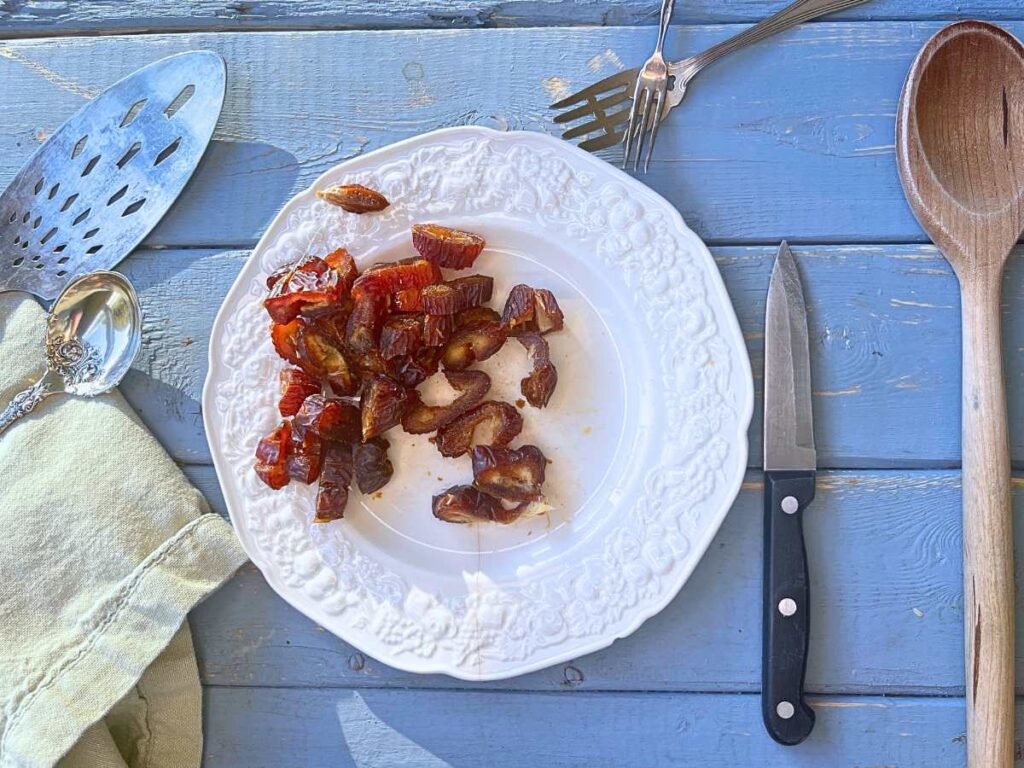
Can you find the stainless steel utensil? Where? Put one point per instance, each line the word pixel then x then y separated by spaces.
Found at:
pixel 789 466
pixel 96 188
pixel 93 334
pixel 651 85
pixel 604 128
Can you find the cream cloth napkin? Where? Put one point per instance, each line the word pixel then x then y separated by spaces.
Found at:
pixel 105 547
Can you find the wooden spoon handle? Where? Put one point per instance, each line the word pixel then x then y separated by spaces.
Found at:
pixel 988 532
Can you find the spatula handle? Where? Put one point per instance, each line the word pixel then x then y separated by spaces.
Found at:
pixel 988 531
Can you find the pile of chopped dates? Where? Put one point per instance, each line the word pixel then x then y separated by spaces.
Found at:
pixel 361 344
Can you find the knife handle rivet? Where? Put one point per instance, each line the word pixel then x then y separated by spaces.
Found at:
pixel 785 710
pixel 790 505
pixel 787 606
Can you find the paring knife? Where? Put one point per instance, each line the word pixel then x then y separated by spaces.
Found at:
pixel 789 466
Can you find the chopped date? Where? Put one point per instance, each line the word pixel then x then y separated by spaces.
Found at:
pixel 362 330
pixel 372 465
pixel 456 295
pixel 412 370
pixel 342 262
pixel 531 310
pixel 354 198
pixel 437 329
pixel 476 315
pixel 473 343
pixel 335 481
pixel 540 384
pixel 465 504
pixel 409 300
pixel 548 315
pixel 285 337
pixel 490 423
pixel 272 454
pixel 446 247
pixel 509 474
pixel 320 356
pixel 332 418
pixel 296 386
pixel 472 387
pixel 309 284
pixel 380 334
pixel 401 335
pixel 384 403
pixel 305 456
pixel 518 312
pixel 387 279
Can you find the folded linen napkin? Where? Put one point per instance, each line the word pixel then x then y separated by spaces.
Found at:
pixel 105 548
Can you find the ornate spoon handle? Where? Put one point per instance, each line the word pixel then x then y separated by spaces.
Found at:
pixel 27 399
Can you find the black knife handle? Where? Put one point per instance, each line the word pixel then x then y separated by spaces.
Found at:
pixel 786 624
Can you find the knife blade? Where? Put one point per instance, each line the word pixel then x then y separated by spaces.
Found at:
pixel 790 461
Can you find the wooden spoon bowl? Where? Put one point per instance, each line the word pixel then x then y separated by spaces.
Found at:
pixel 960 151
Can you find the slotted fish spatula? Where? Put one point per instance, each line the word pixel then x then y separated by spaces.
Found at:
pixel 103 180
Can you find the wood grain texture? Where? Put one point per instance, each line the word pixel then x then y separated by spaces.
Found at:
pixel 884 551
pixel 791 139
pixel 961 164
pixel 260 728
pixel 884 325
pixel 25 18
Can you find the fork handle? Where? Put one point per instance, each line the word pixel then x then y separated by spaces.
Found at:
pixel 790 16
pixel 663 22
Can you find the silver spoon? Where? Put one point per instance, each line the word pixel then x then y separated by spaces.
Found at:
pixel 93 333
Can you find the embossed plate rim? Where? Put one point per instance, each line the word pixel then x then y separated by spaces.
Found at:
pixel 633 615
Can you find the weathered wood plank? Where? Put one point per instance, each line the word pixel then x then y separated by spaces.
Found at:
pixel 885 554
pixel 309 728
pixel 884 323
pixel 793 138
pixel 23 18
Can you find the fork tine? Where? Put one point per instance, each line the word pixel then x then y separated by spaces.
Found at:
pixel 654 129
pixel 594 91
pixel 638 101
pixel 607 123
pixel 602 142
pixel 583 130
pixel 642 128
pixel 591 108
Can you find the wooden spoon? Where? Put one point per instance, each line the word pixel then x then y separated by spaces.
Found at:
pixel 960 149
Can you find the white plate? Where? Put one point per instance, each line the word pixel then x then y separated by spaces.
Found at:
pixel 646 431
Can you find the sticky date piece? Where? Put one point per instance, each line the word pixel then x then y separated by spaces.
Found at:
pixel 465 504
pixel 296 386
pixel 354 198
pixel 446 247
pixel 272 454
pixel 372 465
pixel 540 384
pixel 472 387
pixel 512 475
pixel 490 423
pixel 335 481
pixel 456 295
pixel 384 402
pixel 473 343
pixel 333 419
pixel 531 310
pixel 401 335
pixel 386 279
pixel 310 283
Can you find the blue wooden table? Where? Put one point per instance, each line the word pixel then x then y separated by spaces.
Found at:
pixel 792 139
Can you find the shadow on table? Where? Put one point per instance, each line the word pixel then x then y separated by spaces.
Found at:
pixel 235 193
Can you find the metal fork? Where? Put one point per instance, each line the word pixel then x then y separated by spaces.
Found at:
pixel 651 86
pixel 605 127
